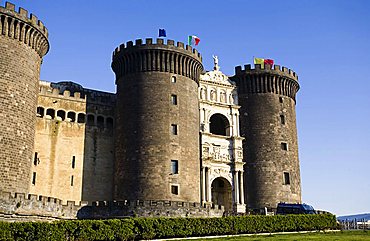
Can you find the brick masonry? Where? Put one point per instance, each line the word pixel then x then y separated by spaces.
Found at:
pixel 145 144
pixel 265 95
pixel 23 43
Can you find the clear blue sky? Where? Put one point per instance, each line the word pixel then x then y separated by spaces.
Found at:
pixel 326 42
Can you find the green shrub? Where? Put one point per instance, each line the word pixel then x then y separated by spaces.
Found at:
pixel 149 228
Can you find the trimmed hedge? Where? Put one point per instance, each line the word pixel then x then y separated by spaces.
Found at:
pixel 149 228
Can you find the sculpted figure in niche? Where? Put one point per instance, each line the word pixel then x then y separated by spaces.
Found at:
pixel 223 97
pixel 213 95
pixel 231 99
pixel 203 94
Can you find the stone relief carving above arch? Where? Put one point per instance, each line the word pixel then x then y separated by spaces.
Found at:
pixel 225 172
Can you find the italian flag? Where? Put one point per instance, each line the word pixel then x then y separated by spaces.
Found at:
pixel 193 40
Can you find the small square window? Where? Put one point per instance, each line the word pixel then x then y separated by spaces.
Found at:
pixel 174 129
pixel 174 167
pixel 174 99
pixel 284 146
pixel 282 119
pixel 286 178
pixel 281 100
pixel 175 189
pixel 173 79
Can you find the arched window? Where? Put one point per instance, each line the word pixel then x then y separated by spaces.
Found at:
pixel 81 118
pixel 109 122
pixel 51 112
pixel 61 114
pixel 90 119
pixel 219 125
pixel 71 115
pixel 40 111
pixel 100 121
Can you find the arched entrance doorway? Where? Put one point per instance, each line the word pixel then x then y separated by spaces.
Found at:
pixel 221 193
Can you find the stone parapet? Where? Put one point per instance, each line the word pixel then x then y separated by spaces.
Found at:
pixel 27 29
pixel 159 56
pixel 270 79
pixel 18 206
pixel 275 69
pixel 29 207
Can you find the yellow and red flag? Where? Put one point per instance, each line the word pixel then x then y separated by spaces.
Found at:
pixel 262 61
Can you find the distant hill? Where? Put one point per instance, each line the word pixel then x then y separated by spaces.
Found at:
pixel 365 216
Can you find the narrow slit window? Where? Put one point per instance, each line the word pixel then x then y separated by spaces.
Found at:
pixel 174 167
pixel 73 162
pixel 174 129
pixel 174 99
pixel 34 178
pixel 36 159
pixel 286 178
pixel 282 119
pixel 72 180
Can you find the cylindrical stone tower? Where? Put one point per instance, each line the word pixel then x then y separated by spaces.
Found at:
pixel 157 121
pixel 268 123
pixel 23 43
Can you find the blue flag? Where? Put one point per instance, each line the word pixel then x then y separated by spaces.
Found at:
pixel 162 33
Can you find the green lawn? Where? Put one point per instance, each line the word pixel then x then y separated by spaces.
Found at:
pixel 330 236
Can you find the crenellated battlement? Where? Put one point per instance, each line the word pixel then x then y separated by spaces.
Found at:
pixel 157 57
pixel 159 43
pixel 153 203
pixel 46 89
pixel 45 200
pixel 72 91
pixel 26 28
pixel 21 206
pixel 271 79
pixel 276 69
pixel 150 208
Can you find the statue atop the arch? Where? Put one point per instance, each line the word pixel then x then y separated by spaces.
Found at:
pixel 215 62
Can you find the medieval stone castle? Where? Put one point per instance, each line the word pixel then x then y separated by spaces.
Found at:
pixel 174 140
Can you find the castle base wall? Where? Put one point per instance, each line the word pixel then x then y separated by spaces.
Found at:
pixel 19 207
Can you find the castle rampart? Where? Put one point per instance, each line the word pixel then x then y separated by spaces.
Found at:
pixel 23 43
pixel 27 207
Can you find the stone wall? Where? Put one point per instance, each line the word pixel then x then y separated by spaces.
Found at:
pixel 74 143
pixel 20 207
